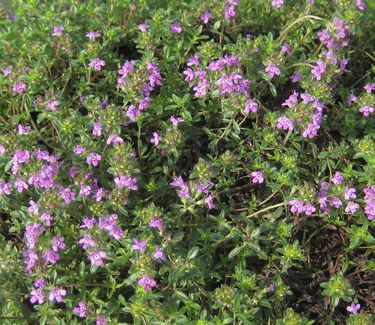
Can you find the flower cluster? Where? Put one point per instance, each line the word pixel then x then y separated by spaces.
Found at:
pixel 221 77
pixel 306 115
pixel 139 82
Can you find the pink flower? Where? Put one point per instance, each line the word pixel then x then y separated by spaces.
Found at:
pixel 58 31
pixel 257 177
pixel 205 17
pixel 139 245
pixel 277 3
pixel 93 159
pixel 366 110
pixel 100 320
pixel 147 282
pixel 78 150
pixel 251 106
pixel 97 257
pixel 97 129
pixel 272 70
pixel 156 223
pixel 159 254
pixel 176 28
pixel 143 27
pixel 209 200
pixel 37 296
pixel 176 120
pixel 57 243
pixel 97 64
pixel 353 308
pixel 93 34
pixel 52 104
pixel 19 87
pixel 57 294
pixel 7 70
pixel 155 139
pixel 114 139
pixel 81 309
pixel 87 242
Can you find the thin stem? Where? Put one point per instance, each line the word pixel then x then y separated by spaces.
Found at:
pixel 285 31
pixel 266 209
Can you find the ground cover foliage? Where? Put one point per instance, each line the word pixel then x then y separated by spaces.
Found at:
pixel 187 162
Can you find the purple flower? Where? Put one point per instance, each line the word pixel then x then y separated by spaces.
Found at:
pixel 369 87
pixel 100 320
pixel 50 256
pixel 205 17
pixel 257 177
pixel 81 309
pixel 7 70
pixel 97 64
pixel 58 31
pixel 114 139
pixel 97 129
pixel 353 308
pixel 318 70
pixel 352 207
pixel 177 182
pixel 96 257
pixel 176 120
pixel 156 223
pixel 209 200
pixel 126 182
pixel 78 149
pixel 159 254
pixel 175 28
pixel 286 49
pixel 143 27
pixel 93 159
pixel 296 76
pixel 147 282
pixel 88 223
pixel 139 245
pixel 57 294
pixel 251 106
pixel 67 195
pixel 37 296
pixel 277 3
pixel 19 87
pixel 193 60
pixel 47 218
pixel 297 206
pixel 337 178
pixel 5 188
pixel 40 283
pixel 93 34
pixel 23 129
pixel 86 241
pixel 284 123
pixel 351 99
pixel 292 100
pixel 272 70
pixel 57 243
pixel 309 209
pixel 52 104
pixel 366 110
pixel 229 12
pixel 360 5
pixel 349 193
pixel 20 184
pixel 155 139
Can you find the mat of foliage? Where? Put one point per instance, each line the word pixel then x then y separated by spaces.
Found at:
pixel 187 162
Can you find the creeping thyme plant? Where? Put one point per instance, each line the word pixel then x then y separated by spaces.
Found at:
pixel 187 162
